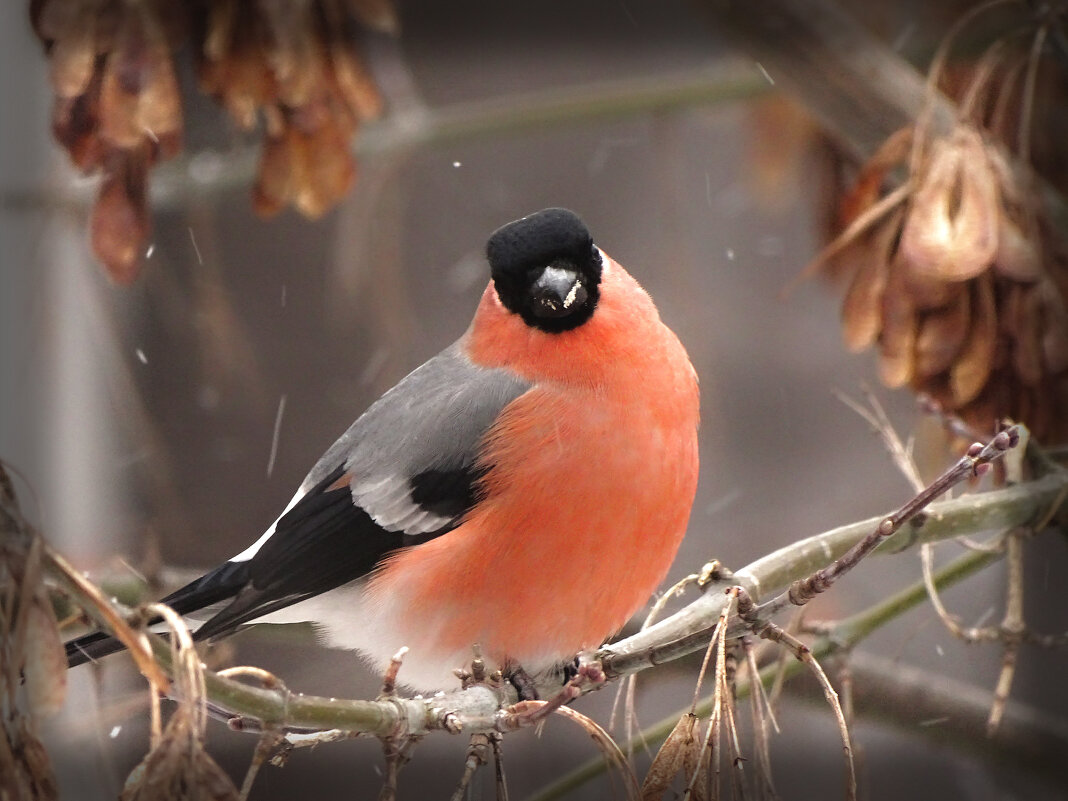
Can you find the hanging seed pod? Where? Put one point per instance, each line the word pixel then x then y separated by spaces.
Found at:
pixel 32 679
pixel 862 317
pixel 328 170
pixel 1018 255
pixel 297 63
pixel 177 766
pixel 897 339
pixel 869 259
pixel 117 109
pixel 1022 319
pixel 112 69
pixel 119 226
pixel 696 764
pixel 669 759
pixel 973 365
pixel 951 229
pixel 1019 252
pixel 71 27
pixel 29 775
pixel 45 659
pixel 942 335
pixel 75 124
pixel 869 186
pixel 972 307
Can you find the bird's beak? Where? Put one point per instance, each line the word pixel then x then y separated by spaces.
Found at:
pixel 557 292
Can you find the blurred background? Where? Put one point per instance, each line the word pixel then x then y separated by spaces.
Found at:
pixel 169 421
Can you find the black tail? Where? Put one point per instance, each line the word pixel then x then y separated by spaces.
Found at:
pixel 220 584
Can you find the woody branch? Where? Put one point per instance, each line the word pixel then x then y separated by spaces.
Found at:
pixel 479 708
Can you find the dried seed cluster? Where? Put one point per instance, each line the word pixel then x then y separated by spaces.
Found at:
pixel 118 108
pixel 177 765
pixel 33 664
pixel 957 275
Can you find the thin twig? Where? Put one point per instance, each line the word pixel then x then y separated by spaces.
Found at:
pixel 627 688
pixel 477 755
pixel 845 634
pixel 804 655
pixel 761 713
pixel 1012 627
pixel 875 415
pixel 972 463
pixel 498 766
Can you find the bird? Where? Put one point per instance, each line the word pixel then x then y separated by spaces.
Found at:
pixel 522 493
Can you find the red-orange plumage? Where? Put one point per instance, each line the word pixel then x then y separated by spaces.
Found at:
pixel 593 474
pixel 524 490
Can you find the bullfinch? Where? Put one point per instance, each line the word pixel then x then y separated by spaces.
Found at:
pixel 524 491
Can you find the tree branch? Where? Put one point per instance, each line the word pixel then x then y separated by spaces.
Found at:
pixel 689 628
pixel 478 708
pixel 1033 740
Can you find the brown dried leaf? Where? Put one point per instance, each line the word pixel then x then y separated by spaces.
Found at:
pixel 862 306
pixel 697 759
pixel 123 80
pixel 669 759
pixel 293 51
pixel 274 179
pixel 75 122
pixel 45 659
pixel 72 58
pixel 328 171
pixel 976 359
pixel 1019 253
pixel 951 229
pixel 1022 319
pixel 159 106
pixel 897 340
pixel 25 769
pixel 219 27
pixel 119 225
pixel 179 768
pixel 942 333
pixel 868 186
pixel 354 83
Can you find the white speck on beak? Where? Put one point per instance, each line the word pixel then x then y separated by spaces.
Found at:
pixel 571 295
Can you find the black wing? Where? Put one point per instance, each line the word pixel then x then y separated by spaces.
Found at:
pixel 324 541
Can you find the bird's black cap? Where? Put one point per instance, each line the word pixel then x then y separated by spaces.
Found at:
pixel 520 252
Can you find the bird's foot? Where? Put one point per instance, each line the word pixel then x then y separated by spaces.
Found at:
pixel 524 685
pixel 571 669
pixel 528 712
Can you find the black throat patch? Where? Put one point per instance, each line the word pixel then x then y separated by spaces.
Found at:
pixel 551 243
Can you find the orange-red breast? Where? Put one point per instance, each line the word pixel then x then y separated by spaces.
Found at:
pixel 524 490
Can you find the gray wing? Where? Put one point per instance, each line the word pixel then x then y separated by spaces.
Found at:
pixel 411 457
pixel 405 472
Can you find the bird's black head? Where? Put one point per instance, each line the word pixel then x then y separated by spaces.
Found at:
pixel 546 269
